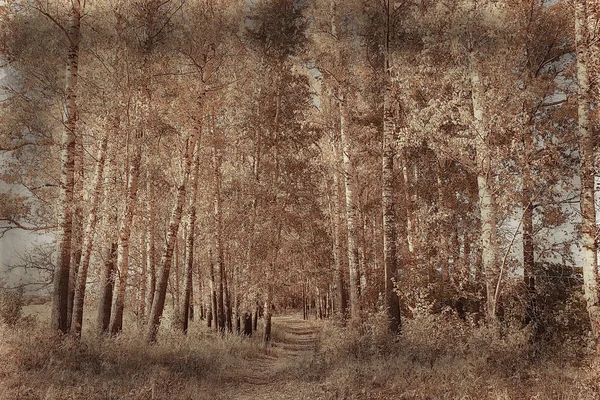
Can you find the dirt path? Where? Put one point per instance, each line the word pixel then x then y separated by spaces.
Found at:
pixel 277 373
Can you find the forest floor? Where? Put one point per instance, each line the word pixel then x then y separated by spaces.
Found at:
pixel 436 357
pixel 278 374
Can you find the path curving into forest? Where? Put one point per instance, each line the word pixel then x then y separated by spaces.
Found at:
pixel 276 374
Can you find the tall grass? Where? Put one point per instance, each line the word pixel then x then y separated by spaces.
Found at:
pixel 39 366
pixel 443 357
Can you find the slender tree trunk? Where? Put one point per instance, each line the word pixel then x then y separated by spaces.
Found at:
pixel 268 314
pixel 409 205
pixel 89 237
pixel 387 190
pixel 218 237
pixel 189 262
pixel 213 292
pixel 445 233
pixel 175 282
pixel 107 282
pixel 116 318
pixel 77 238
pixel 487 212
pixel 338 201
pixel 150 243
pixel 160 294
pixel 60 296
pixel 255 322
pixel 247 317
pixel 389 217
pixel 527 205
pixel 589 229
pixel 349 177
pixel 338 253
pixel 236 300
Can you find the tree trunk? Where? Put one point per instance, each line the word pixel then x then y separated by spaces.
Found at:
pixel 527 205
pixel 387 190
pixel 107 282
pixel 160 294
pixel 255 322
pixel 247 318
pixel 268 315
pixel 77 238
pixel 213 292
pixel 227 303
pixel 338 255
pixel 60 296
pixel 218 236
pixel 487 212
pixel 116 318
pixel 349 177
pixel 189 246
pixel 389 216
pixel 587 173
pixel 89 238
pixel 409 205
pixel 150 244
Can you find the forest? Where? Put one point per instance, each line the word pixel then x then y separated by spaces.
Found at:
pixel 299 199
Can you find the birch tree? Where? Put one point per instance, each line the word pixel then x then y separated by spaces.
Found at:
pixel 587 171
pixel 60 296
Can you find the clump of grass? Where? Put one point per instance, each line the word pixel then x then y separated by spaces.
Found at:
pixel 11 305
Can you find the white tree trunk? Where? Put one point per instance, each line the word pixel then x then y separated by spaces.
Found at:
pixel 487 212
pixel 60 296
pixel 587 173
pixel 349 177
pixel 160 294
pixel 89 237
pixel 116 317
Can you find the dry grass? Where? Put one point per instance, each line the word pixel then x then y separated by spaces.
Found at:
pixel 39 366
pixel 437 357
pixel 443 358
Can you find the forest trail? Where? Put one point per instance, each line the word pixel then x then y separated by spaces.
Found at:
pixel 275 374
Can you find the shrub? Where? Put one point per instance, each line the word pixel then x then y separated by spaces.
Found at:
pixel 11 305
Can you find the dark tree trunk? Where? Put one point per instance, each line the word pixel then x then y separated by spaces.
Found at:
pixel 255 322
pixel 107 282
pixel 247 318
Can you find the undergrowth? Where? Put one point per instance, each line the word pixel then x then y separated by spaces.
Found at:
pixel 443 357
pixel 39 365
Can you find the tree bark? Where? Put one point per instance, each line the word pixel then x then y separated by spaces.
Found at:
pixel 116 317
pixel 60 296
pixel 150 244
pixel 349 177
pixel 189 247
pixel 218 236
pixel 268 314
pixel 527 205
pixel 247 318
pixel 389 215
pixel 587 172
pixel 160 294
pixel 387 190
pixel 487 212
pixel 213 292
pixel 227 302
pixel 107 282
pixel 338 254
pixel 89 237
pixel 77 238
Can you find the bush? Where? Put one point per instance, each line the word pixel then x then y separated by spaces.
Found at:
pixel 11 305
